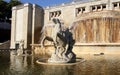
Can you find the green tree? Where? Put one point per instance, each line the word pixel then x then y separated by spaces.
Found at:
pixel 14 3
pixel 5 9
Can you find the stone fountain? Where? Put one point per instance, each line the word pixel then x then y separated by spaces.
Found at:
pixel 63 44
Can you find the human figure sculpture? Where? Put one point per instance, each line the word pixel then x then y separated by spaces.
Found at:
pixel 56 30
pixel 63 43
pixel 21 48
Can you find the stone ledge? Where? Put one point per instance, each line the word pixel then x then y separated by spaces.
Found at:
pixel 83 44
pixel 70 3
pixel 99 14
pixel 97 44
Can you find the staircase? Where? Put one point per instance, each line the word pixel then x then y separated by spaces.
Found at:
pixel 5 45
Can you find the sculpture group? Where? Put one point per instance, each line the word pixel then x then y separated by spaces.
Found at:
pixel 63 44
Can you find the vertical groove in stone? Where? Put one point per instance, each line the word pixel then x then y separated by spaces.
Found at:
pixel 98 30
pixel 110 32
pixel 118 30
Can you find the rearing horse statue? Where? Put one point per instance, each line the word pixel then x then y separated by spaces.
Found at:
pixel 56 33
pixel 63 43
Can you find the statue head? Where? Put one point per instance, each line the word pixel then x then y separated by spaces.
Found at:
pixel 54 20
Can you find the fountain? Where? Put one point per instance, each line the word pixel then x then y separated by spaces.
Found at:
pixel 63 44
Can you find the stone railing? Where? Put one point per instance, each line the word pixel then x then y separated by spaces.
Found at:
pixel 81 44
pixel 70 3
pixel 108 13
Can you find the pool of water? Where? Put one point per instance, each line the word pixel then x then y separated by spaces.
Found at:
pixel 94 65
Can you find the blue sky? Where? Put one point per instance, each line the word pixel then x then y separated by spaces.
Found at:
pixel 44 2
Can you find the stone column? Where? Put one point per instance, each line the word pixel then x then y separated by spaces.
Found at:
pixel 76 12
pixel 13 27
pixel 87 8
pixel 21 25
pixel 101 7
pixel 27 25
pixel 95 30
pixel 109 5
pixel 95 8
pixel 118 5
pixel 81 10
pixel 37 23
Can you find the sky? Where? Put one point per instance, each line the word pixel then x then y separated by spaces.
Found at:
pixel 44 2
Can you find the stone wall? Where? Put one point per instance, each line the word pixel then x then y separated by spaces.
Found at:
pixel 37 23
pixel 21 24
pixel 27 21
pixel 102 29
pixel 95 26
pixel 92 49
pixel 69 12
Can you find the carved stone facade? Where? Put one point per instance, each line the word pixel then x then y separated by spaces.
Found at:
pixel 93 21
pixel 74 9
pixel 95 24
pixel 27 19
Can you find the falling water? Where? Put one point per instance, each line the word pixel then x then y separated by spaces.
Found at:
pixel 98 30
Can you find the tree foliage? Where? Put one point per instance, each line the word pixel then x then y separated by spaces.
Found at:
pixel 5 9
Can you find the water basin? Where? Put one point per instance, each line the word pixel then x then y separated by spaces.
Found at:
pixel 93 65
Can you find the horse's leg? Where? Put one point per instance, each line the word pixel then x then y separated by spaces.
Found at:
pixel 49 38
pixel 45 38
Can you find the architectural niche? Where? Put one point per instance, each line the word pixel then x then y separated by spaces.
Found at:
pixel 98 7
pixel 54 14
pixel 116 5
pixel 80 10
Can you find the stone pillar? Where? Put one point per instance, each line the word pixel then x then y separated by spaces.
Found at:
pixel 95 8
pixel 81 11
pixel 118 5
pixel 37 23
pixel 101 7
pixel 109 5
pixel 95 30
pixel 27 22
pixel 13 27
pixel 21 25
pixel 88 9
pixel 91 9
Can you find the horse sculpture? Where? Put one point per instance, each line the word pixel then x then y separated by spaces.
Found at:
pixel 63 44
